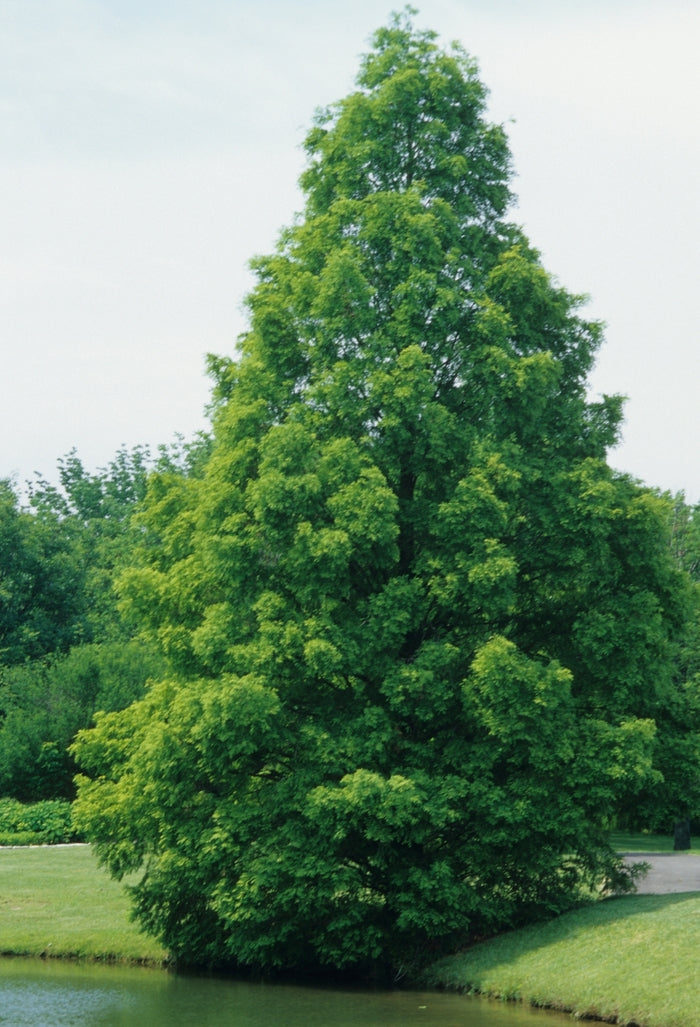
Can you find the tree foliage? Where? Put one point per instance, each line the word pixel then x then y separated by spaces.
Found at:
pixel 93 512
pixel 65 650
pixel 416 627
pixel 41 584
pixel 675 795
pixel 45 702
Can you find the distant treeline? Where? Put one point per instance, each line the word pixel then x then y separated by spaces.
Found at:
pixel 66 651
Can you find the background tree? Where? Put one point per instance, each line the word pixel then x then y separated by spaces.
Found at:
pixel 94 513
pixel 416 626
pixel 675 796
pixel 42 579
pixel 65 650
pixel 44 703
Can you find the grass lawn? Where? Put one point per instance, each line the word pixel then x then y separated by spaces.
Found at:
pixel 629 960
pixel 624 842
pixel 56 901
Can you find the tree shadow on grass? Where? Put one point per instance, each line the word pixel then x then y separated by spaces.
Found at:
pixel 584 925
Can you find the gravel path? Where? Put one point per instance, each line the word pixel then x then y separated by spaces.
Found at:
pixel 670 872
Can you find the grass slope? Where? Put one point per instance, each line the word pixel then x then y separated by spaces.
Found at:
pixel 56 901
pixel 630 960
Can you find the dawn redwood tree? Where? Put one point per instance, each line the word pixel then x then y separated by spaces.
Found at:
pixel 415 624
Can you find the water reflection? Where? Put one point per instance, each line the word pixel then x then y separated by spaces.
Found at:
pixel 55 994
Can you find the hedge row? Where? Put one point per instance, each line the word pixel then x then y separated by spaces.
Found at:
pixel 39 823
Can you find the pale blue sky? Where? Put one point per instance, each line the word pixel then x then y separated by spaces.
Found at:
pixel 149 149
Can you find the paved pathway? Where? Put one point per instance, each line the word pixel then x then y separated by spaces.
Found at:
pixel 670 872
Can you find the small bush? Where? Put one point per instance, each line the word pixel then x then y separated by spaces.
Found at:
pixel 38 823
pixel 7 838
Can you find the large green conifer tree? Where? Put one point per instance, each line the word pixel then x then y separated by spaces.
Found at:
pixel 415 623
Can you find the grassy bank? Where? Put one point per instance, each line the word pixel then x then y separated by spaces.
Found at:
pixel 628 960
pixel 55 901
pixel 631 960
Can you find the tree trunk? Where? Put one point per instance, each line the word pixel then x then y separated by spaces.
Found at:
pixel 681 835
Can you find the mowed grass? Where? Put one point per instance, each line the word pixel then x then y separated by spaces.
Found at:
pixel 629 960
pixel 639 842
pixel 56 902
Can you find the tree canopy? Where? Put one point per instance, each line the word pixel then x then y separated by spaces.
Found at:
pixel 65 649
pixel 416 627
pixel 41 584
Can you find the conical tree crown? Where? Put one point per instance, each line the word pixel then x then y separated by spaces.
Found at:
pixel 404 606
pixel 416 121
pixel 403 255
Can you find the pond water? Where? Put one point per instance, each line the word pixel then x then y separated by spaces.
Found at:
pixel 35 993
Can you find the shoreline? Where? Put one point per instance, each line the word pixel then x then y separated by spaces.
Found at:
pixel 629 959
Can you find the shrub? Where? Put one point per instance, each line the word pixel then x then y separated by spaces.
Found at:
pixel 39 823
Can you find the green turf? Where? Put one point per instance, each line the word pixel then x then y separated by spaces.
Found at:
pixel 56 901
pixel 630 960
pixel 641 842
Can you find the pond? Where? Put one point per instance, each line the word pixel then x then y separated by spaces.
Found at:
pixel 36 993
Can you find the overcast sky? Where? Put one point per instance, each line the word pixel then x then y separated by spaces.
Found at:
pixel 150 148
